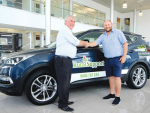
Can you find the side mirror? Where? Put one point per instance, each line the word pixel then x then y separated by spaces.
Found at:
pixel 143 37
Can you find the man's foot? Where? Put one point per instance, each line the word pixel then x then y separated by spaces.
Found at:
pixel 116 100
pixel 66 108
pixel 109 96
pixel 70 102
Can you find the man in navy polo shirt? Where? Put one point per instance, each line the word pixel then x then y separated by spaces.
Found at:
pixel 115 48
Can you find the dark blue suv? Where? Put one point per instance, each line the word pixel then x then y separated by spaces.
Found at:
pixel 33 71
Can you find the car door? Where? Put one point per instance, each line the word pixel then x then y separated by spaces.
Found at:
pixel 89 62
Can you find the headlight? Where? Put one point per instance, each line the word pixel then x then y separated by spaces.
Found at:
pixel 15 60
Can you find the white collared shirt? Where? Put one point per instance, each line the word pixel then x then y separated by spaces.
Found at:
pixel 66 43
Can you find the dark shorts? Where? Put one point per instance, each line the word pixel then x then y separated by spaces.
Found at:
pixel 113 67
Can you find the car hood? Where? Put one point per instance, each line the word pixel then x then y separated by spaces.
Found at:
pixel 33 51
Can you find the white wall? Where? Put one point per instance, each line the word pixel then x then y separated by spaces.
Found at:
pixel 25 19
pixel 129 15
pixel 143 24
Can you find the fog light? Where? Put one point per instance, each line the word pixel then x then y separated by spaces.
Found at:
pixel 5 80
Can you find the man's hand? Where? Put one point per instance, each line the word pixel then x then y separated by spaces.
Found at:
pixel 122 59
pixel 86 44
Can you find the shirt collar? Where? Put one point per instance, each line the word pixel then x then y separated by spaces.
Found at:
pixel 67 28
pixel 111 31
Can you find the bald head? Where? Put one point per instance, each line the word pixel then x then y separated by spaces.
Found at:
pixel 108 25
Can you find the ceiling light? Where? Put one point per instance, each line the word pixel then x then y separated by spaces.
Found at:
pixel 75 14
pixel 124 5
pixel 140 13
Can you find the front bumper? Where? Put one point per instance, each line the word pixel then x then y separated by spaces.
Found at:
pixel 6 83
pixel 10 91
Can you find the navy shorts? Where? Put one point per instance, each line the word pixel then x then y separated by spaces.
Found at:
pixel 113 66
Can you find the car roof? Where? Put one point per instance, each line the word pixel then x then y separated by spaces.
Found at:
pixel 102 30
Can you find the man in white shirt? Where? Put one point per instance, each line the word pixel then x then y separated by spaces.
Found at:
pixel 65 50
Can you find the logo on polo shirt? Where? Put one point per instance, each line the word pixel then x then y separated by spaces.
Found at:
pixel 87 63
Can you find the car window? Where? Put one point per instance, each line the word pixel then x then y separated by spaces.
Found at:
pixel 131 39
pixel 128 39
pixel 92 36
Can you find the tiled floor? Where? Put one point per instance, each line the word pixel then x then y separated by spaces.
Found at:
pixel 87 100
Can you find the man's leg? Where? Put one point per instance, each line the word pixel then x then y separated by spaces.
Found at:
pixel 112 84
pixel 117 86
pixel 62 67
pixel 117 67
pixel 109 73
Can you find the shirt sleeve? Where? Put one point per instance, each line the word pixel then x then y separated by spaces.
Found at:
pixel 122 37
pixel 99 40
pixel 72 39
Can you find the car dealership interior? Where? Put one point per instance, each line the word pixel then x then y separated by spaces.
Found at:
pixel 32 25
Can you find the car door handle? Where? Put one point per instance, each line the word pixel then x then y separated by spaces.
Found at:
pixel 131 51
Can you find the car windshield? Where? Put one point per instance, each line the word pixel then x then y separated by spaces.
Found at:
pixel 52 45
pixel 75 34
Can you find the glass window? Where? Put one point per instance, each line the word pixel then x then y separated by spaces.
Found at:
pixel 101 19
pixel 133 38
pixel 56 8
pixel 3 41
pixel 90 16
pixel 66 8
pixel 77 12
pixel 92 36
pixel 0 2
pixel 13 3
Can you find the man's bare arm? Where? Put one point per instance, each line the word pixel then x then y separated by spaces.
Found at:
pixel 125 49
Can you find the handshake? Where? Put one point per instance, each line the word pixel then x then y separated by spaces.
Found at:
pixel 86 45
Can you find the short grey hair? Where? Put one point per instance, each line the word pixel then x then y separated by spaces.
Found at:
pixel 67 17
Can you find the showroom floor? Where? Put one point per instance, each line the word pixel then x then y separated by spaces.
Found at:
pixel 87 100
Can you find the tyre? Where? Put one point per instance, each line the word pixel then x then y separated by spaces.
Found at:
pixel 137 77
pixel 41 88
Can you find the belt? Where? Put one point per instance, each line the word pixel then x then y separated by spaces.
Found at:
pixel 60 56
pixel 113 57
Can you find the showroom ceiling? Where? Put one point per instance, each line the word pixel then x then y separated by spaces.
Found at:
pixel 131 5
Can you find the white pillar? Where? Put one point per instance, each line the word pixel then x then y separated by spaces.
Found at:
pixel 47 21
pixel 31 5
pixel 70 7
pixel 30 37
pixel 134 29
pixel 42 6
pixel 41 39
pixel 111 10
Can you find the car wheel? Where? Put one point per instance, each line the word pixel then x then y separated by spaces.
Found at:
pixel 41 88
pixel 138 77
